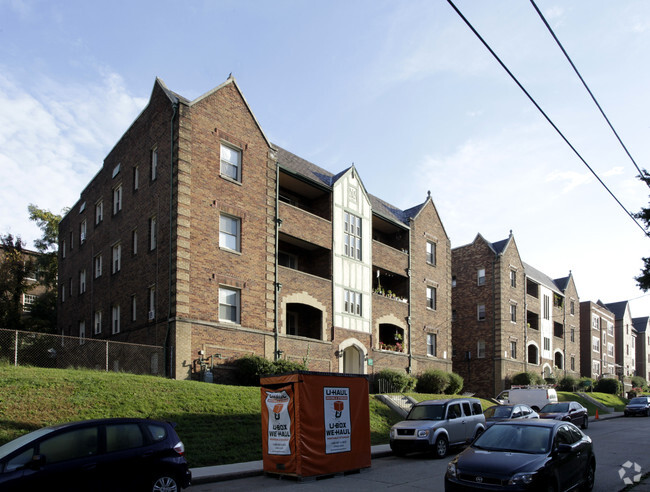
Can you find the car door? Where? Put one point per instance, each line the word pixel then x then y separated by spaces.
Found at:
pixel 575 413
pixel 126 455
pixel 455 424
pixel 567 463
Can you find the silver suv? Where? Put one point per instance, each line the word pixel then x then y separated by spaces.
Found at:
pixel 435 425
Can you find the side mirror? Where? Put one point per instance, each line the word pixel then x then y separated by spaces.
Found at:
pixel 564 448
pixel 37 461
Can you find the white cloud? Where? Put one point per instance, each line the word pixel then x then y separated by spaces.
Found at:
pixel 571 179
pixel 614 171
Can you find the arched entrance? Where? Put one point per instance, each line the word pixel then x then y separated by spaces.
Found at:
pixel 352 357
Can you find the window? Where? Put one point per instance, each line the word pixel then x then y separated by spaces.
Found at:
pixel 454 315
pixel 431 297
pixel 453 280
pixel 63 249
pixel 480 310
pixel 63 293
pixel 134 308
pixel 513 313
pixel 481 276
pixel 28 300
pixel 610 349
pixel 98 322
pixel 480 349
pixel 610 329
pixel 82 281
pixel 352 304
pixel 117 199
pixel 115 319
pixel 573 334
pixel 98 266
pixel 152 233
pixel 432 344
pixel 288 260
pixel 513 278
pixel 71 445
pixel 595 367
pixel 71 240
pixel 99 212
pixel 136 178
pixel 547 343
pixel 152 303
pixel 595 344
pixel 572 308
pixel 573 363
pixel 123 436
pixel 431 253
pixel 82 332
pixel 154 164
pixel 595 323
pixel 352 235
pixel 231 162
pixel 134 242
pixel 82 232
pixel 547 307
pixel 513 350
pixel 229 304
pixel 229 232
pixel 117 258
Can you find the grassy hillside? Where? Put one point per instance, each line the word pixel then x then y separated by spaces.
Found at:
pixel 219 424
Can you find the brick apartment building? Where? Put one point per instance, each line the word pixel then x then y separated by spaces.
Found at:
pixel 642 346
pixel 199 234
pixel 625 336
pixel 503 321
pixel 598 341
pixel 34 288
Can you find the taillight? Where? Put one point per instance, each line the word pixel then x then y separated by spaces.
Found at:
pixel 180 448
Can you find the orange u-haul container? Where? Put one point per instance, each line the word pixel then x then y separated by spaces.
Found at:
pixel 315 423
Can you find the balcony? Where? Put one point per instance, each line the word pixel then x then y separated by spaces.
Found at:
pixel 304 225
pixel 389 258
pixel 303 256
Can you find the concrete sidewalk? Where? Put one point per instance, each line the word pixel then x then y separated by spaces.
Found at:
pixel 233 471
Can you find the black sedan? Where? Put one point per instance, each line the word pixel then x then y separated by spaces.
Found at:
pixel 525 455
pixel 569 411
pixel 500 413
pixel 97 455
pixel 639 405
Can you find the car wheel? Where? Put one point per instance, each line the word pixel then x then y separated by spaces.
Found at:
pixel 590 477
pixel 479 431
pixel 585 422
pixel 441 447
pixel 165 483
pixel 647 412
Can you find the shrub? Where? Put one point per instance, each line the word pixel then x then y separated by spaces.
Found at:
pixel 524 378
pixel 639 382
pixel 393 381
pixel 251 367
pixel 586 384
pixel 432 381
pixel 281 366
pixel 568 383
pixel 455 384
pixel 608 385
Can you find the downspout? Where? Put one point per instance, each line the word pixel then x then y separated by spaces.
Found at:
pixel 525 347
pixel 276 284
pixel 564 323
pixel 167 351
pixel 410 310
pixel 496 355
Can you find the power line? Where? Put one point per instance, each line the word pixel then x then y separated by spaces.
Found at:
pixel 586 87
pixel 631 216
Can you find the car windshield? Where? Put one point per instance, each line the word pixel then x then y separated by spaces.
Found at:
pixel 515 438
pixel 555 408
pixel 638 401
pixel 11 446
pixel 426 412
pixel 498 412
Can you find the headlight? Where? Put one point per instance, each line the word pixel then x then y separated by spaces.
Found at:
pixel 522 478
pixel 423 432
pixel 451 469
pixel 393 433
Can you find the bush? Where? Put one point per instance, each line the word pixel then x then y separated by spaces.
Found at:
pixel 639 382
pixel 393 381
pixel 586 384
pixel 432 381
pixel 525 378
pixel 281 366
pixel 455 384
pixel 251 367
pixel 568 383
pixel 608 385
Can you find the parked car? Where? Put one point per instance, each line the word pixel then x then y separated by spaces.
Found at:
pixel 639 405
pixel 525 455
pixel 106 454
pixel 533 396
pixel 570 411
pixel 435 425
pixel 499 413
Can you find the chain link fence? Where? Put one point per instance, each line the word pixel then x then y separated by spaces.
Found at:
pixel 23 348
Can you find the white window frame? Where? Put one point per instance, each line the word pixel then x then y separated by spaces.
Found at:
pixel 152 302
pixel 82 281
pixel 230 168
pixel 226 297
pixel 82 332
pixel 513 349
pixel 136 177
pixel 480 276
pixel 513 278
pixel 98 263
pixel 117 199
pixel 595 344
pixel 115 319
pixel 134 307
pixel 153 228
pixel 480 349
pixel 595 322
pixel 513 313
pixel 83 231
pixel 432 344
pixel 226 234
pixel 352 236
pixel 432 297
pixel 116 263
pixel 610 349
pixel 353 302
pixel 431 253
pixel 481 308
pixel 547 343
pixel 134 242
pixel 99 211
pixel 98 322
pixel 154 163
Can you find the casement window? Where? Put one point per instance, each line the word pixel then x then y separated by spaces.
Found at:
pixel 595 367
pixel 480 312
pixel 134 308
pixel 610 329
pixel 547 343
pixel 99 212
pixel 98 263
pixel 610 349
pixel 230 232
pixel 431 253
pixel 115 319
pixel 98 322
pixel 480 349
pixel 432 343
pixel 352 302
pixel 28 300
pixel 152 233
pixel 431 297
pixel 117 199
pixel 595 322
pixel 154 164
pixel 513 278
pixel 134 242
pixel 513 313
pixel 230 162
pixel 117 258
pixel 82 281
pixel 83 229
pixel 136 177
pixel 352 235
pixel 573 334
pixel 572 308
pixel 82 332
pixel 152 303
pixel 573 363
pixel 547 307
pixel 229 305
pixel 481 276
pixel 513 350
pixel 288 260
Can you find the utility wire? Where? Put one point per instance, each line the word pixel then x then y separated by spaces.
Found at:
pixel 546 116
pixel 586 87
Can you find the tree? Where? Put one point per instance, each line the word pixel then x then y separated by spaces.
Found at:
pixel 643 280
pixel 14 268
pixel 47 245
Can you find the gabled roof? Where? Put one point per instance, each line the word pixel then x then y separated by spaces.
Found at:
pixel 541 278
pixel 640 324
pixel 617 308
pixel 562 283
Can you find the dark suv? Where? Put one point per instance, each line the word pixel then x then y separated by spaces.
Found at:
pixel 106 454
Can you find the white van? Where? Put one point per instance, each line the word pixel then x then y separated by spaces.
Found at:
pixel 533 396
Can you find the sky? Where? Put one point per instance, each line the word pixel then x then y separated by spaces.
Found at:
pixel 403 90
